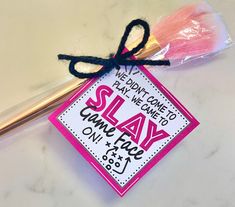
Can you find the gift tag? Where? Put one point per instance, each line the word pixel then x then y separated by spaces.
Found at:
pixel 123 123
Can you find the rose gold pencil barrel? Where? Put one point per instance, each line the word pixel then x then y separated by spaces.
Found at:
pixel 41 107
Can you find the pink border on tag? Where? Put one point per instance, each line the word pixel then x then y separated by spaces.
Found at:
pixel 122 190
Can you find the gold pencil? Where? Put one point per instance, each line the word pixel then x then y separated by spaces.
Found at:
pixel 49 103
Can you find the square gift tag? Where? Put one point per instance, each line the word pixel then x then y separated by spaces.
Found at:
pixel 123 123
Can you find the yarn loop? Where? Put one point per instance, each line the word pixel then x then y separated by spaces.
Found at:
pixel 121 57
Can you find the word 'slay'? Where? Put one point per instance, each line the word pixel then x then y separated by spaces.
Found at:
pixel 123 123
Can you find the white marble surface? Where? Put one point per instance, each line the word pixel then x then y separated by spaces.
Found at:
pixel 40 168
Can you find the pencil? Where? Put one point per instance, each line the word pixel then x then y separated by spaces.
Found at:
pixel 49 103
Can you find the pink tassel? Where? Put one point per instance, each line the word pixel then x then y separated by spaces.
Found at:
pixel 190 32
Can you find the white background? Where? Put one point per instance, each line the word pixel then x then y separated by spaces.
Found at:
pixel 40 168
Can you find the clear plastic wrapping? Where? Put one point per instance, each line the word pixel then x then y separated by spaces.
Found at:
pixel 192 32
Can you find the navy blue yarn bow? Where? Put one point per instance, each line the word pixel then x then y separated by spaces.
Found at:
pixel 121 58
